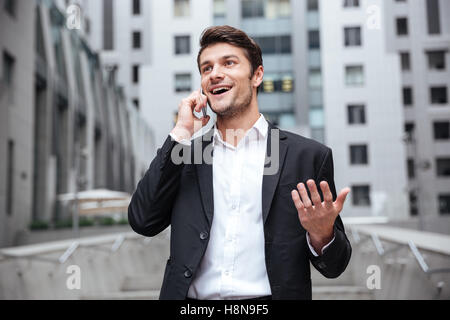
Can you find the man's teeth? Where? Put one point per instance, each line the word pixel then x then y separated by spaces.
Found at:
pixel 221 88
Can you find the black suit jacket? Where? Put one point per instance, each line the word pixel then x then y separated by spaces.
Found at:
pixel 181 195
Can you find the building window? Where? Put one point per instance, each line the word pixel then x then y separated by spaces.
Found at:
pixel 354 75
pixel 252 8
pixel 315 78
pixel 409 130
pixel 183 82
pixel 136 7
pixel 10 7
pixel 438 95
pixel 287 83
pixel 356 114
pixel 277 82
pixel 436 60
pixel 182 8
pixel 182 44
pixel 352 36
pixel 433 16
pixel 137 40
pixel 406 61
pixel 443 167
pixel 274 45
pixel 444 203
pixel 441 130
pixel 402 26
pixel 358 154
pixel 219 9
pixel 314 39
pixel 284 44
pixel 269 9
pixel 407 96
pixel 87 26
pixel 8 69
pixel 313 5
pixel 136 103
pixel 10 181
pixel 316 118
pixel 351 3
pixel 361 196
pixel 135 73
pixel 277 9
pixel 411 169
pixel 108 25
pixel 413 206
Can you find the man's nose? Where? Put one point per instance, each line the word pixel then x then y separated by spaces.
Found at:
pixel 216 72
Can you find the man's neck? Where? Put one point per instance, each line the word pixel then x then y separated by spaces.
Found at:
pixel 234 129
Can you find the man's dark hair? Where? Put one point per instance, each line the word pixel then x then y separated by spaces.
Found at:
pixel 235 37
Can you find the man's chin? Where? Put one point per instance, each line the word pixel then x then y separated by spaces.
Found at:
pixel 221 110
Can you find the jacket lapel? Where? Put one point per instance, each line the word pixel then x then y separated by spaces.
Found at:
pixel 205 177
pixel 270 179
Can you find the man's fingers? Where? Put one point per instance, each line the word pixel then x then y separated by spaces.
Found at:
pixel 304 196
pixel 196 100
pixel 327 195
pixel 341 198
pixel 315 196
pixel 297 201
pixel 199 102
pixel 202 100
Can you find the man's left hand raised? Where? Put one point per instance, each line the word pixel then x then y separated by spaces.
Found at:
pixel 318 217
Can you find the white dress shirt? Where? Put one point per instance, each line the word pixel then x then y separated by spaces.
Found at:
pixel 234 266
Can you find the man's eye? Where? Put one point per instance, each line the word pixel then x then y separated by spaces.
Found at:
pixel 206 69
pixel 229 62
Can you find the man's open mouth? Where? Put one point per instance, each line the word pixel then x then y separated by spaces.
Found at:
pixel 220 90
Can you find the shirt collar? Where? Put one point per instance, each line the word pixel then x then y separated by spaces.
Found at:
pixel 261 126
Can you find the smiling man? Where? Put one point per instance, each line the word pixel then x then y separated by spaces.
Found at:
pixel 237 232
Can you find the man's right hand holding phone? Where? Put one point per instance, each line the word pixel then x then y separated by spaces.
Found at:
pixel 187 123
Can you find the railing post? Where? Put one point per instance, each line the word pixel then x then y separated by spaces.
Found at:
pixel 117 243
pixel 68 252
pixel 377 243
pixel 418 256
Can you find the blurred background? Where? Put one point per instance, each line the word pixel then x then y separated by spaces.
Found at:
pixel 90 89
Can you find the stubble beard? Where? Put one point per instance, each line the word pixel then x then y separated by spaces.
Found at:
pixel 234 109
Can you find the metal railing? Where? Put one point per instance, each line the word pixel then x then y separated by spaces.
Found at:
pixel 70 247
pixel 439 246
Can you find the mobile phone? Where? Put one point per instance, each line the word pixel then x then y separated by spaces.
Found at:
pixel 204 109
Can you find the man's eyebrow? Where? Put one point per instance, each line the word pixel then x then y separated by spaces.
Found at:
pixel 222 58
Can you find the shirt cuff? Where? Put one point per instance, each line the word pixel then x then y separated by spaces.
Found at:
pixel 312 249
pixel 182 141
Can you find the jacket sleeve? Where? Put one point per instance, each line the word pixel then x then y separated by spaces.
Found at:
pixel 149 211
pixel 336 257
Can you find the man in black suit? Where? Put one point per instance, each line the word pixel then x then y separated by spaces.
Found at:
pixel 245 210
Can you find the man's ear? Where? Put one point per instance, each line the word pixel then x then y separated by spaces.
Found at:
pixel 258 76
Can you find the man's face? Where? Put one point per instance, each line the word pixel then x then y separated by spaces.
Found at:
pixel 226 79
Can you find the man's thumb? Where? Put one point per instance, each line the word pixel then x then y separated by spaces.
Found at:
pixel 342 196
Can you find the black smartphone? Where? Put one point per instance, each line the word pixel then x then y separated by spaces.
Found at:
pixel 204 109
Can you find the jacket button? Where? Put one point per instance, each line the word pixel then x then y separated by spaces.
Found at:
pixel 187 274
pixel 321 265
pixel 203 235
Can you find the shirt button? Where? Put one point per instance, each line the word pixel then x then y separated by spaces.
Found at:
pixel 227 273
pixel 187 274
pixel 233 206
pixel 203 235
